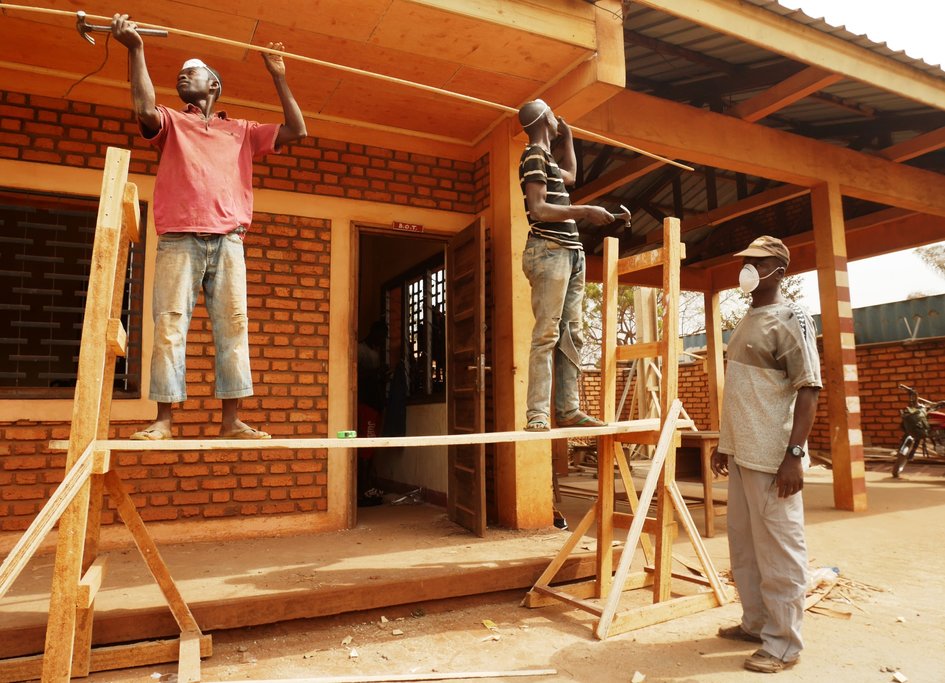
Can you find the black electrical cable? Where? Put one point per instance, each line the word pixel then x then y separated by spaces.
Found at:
pixel 91 73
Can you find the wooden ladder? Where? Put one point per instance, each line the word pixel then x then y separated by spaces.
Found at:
pixel 601 596
pixel 77 501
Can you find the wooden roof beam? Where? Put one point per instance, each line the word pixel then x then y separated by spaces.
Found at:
pixel 680 131
pixel 668 49
pixel 916 147
pixel 795 40
pixel 785 93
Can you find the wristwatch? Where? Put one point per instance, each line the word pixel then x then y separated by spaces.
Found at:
pixel 796 451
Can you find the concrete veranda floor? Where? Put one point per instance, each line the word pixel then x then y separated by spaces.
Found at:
pixel 895 546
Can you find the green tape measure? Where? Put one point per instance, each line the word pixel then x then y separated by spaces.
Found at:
pixel 347 434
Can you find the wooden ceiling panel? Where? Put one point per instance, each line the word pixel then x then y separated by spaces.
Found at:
pixel 511 91
pixel 164 12
pixel 461 39
pixel 350 19
pixel 365 56
pixel 405 108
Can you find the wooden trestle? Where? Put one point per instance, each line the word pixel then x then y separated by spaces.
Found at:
pixel 601 596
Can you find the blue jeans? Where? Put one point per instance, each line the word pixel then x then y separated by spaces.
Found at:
pixel 186 264
pixel 556 275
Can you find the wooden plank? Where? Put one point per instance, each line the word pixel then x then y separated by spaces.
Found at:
pixel 116 337
pixel 127 445
pixel 916 147
pixel 678 130
pixel 608 361
pixel 715 364
pixel 669 390
pixel 131 213
pixel 397 678
pixel 659 612
pixel 188 668
pixel 29 542
pixel 582 589
pixel 605 514
pixel 783 94
pixel 631 492
pixel 576 537
pixel 568 599
pixel 102 461
pixel 631 352
pixel 611 180
pixel 633 537
pixel 60 632
pixel 708 568
pixel 642 261
pixel 742 207
pixel 623 520
pixel 91 582
pixel 149 551
pixel 106 658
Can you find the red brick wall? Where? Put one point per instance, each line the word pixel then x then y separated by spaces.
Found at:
pixel 287 261
pixel 288 294
pixel 881 368
pixel 54 131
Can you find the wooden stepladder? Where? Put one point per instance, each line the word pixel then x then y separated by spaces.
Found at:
pixel 77 502
pixel 601 596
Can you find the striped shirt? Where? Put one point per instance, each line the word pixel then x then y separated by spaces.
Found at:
pixel 538 166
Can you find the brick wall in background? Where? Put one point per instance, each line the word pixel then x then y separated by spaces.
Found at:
pixel 55 131
pixel 287 262
pixel 881 368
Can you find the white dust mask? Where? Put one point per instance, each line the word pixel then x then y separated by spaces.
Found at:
pixel 748 278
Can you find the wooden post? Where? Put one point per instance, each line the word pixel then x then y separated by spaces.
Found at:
pixel 523 470
pixel 60 630
pixel 841 382
pixel 715 364
pixel 669 388
pixel 608 398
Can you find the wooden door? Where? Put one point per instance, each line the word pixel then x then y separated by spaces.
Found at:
pixel 466 375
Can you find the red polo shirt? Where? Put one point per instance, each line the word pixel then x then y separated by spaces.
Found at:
pixel 205 177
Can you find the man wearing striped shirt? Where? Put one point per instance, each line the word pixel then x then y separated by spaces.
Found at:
pixel 553 262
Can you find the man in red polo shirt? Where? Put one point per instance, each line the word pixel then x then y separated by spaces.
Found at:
pixel 203 205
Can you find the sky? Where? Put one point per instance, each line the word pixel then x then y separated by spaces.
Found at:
pixel 916 27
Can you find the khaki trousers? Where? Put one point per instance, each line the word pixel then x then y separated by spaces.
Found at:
pixel 769 559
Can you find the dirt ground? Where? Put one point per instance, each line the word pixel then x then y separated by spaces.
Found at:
pixel 891 558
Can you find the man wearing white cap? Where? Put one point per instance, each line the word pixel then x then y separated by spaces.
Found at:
pixel 772 382
pixel 203 206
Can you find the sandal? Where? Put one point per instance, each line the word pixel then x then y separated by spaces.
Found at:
pixel 151 434
pixel 246 433
pixel 766 663
pixel 736 632
pixel 580 419
pixel 538 424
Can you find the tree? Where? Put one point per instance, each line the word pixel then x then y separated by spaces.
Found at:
pixel 934 257
pixel 732 302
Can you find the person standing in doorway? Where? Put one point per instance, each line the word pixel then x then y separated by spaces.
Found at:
pixel 203 206
pixel 772 383
pixel 553 262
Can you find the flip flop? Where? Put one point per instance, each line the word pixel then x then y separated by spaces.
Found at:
pixel 151 434
pixel 246 433
pixel 538 424
pixel 579 419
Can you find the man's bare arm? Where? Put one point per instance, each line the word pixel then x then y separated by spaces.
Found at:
pixel 142 90
pixel 293 129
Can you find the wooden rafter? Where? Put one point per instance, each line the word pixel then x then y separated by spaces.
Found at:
pixel 666 48
pixel 917 146
pixel 791 90
pixel 680 131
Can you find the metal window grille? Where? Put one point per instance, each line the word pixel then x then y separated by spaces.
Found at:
pixel 45 258
pixel 425 328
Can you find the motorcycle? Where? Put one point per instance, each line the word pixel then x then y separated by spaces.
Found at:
pixel 923 424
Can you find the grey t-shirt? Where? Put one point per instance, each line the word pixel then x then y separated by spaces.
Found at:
pixel 771 354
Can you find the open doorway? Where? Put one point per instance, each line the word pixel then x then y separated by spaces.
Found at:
pixel 402 379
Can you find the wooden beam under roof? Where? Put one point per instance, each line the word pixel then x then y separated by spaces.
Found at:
pixel 680 131
pixel 916 147
pixel 785 93
pixel 803 43
pixel 666 48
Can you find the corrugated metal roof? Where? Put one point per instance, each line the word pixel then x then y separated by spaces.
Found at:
pixel 857 39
